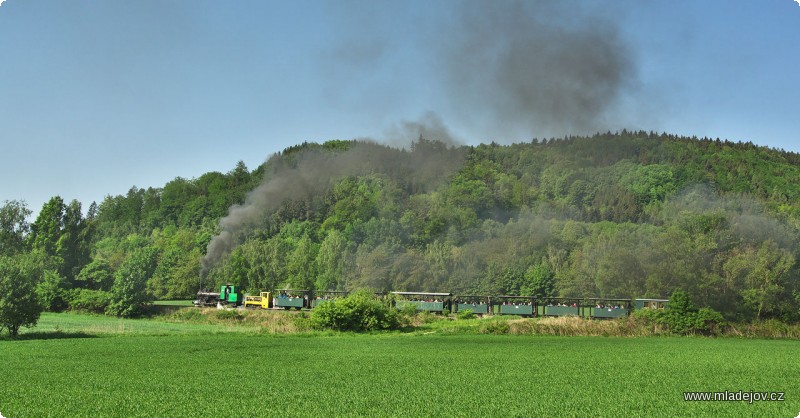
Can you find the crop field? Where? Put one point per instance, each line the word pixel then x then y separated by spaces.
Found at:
pixel 161 370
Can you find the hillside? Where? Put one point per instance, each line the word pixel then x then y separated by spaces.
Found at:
pixel 630 214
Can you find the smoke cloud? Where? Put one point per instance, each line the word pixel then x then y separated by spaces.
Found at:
pixel 429 126
pixel 503 71
pixel 536 68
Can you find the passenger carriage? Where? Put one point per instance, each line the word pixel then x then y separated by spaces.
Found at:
pixel 608 307
pixel 327 296
pixel 479 305
pixel 515 305
pixel 423 301
pixel 562 307
pixel 291 298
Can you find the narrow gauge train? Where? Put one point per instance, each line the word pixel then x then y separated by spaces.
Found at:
pixel 528 306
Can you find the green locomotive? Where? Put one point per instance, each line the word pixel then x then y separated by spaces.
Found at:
pixel 228 295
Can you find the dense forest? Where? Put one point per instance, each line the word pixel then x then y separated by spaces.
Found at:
pixel 627 214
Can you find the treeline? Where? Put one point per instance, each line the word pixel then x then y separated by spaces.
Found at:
pixel 627 214
pixel 124 252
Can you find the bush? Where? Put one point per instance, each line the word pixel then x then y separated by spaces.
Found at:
pixel 87 300
pixel 681 317
pixel 228 315
pixel 426 317
pixel 359 312
pixel 52 292
pixel 409 310
pixel 129 294
pixel 495 326
pixel 466 314
pixel 708 320
pixel 19 305
pixel 189 314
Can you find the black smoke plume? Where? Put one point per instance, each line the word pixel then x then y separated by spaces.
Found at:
pixel 313 170
pixel 536 68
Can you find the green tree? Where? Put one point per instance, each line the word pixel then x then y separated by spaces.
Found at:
pixel 176 196
pixel 683 318
pixel 761 276
pixel 52 292
pixel 97 275
pixel 539 281
pixel 14 227
pixel 61 233
pixel 46 230
pixel 354 199
pixel 19 305
pixel 73 245
pixel 301 267
pixel 129 294
pixel 651 183
pixel 331 261
pixel 177 272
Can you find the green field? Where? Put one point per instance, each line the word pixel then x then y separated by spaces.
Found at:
pixel 150 368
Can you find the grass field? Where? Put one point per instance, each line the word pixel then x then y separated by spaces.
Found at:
pixel 150 368
pixel 70 325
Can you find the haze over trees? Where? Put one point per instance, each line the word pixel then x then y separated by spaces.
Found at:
pixel 628 214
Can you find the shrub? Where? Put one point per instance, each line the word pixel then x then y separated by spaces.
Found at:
pixel 466 314
pixel 408 310
pixel 228 315
pixel 188 314
pixel 87 300
pixel 708 320
pixel 52 292
pixel 426 317
pixel 495 327
pixel 359 312
pixel 681 317
pixel 129 294
pixel 19 305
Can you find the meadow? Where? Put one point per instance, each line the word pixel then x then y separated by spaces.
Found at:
pixel 77 365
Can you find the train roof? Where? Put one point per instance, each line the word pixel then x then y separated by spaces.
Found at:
pixel 422 293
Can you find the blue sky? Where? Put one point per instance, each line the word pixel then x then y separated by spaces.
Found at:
pixel 96 97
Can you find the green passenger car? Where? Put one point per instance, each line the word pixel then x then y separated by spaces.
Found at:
pixel 289 302
pixel 421 305
pixel 514 309
pixel 476 308
pixel 650 303
pixel 609 312
pixel 423 301
pixel 561 311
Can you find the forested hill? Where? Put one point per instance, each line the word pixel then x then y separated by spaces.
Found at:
pixel 631 214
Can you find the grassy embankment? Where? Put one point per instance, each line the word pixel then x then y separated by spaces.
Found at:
pixel 201 321
pixel 209 320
